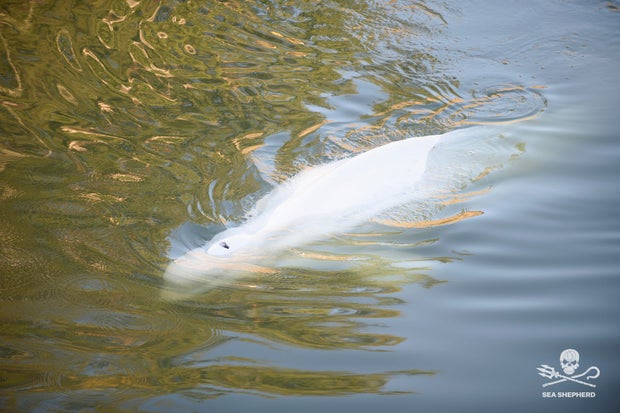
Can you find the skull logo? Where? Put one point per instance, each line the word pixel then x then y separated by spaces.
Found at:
pixel 569 359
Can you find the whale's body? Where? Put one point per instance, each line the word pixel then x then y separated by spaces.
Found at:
pixel 327 199
pixel 315 204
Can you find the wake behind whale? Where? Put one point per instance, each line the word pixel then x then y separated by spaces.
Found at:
pixel 333 198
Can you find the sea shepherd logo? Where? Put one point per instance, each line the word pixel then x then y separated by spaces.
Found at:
pixel 569 362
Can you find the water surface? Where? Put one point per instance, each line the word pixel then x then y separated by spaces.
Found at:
pixel 131 132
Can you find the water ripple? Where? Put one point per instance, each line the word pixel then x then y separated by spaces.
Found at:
pixel 502 104
pixel 10 79
pixel 22 268
pixel 64 43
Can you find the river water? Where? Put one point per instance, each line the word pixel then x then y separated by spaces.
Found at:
pixel 133 131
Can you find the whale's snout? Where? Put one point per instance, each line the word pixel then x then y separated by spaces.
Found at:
pixel 202 268
pixel 195 266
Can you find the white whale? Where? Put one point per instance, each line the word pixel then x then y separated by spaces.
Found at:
pixel 320 202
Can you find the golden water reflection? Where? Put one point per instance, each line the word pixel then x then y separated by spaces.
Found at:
pixel 122 120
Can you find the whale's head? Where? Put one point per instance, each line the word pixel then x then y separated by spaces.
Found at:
pixel 230 254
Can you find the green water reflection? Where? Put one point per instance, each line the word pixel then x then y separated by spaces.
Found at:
pixel 122 120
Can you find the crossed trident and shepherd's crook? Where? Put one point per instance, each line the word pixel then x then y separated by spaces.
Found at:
pixel 550 373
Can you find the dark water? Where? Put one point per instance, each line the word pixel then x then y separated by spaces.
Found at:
pixel 132 131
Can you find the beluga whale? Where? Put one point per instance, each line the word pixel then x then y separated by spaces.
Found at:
pixel 330 199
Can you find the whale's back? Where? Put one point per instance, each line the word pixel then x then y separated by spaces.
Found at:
pixel 352 189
